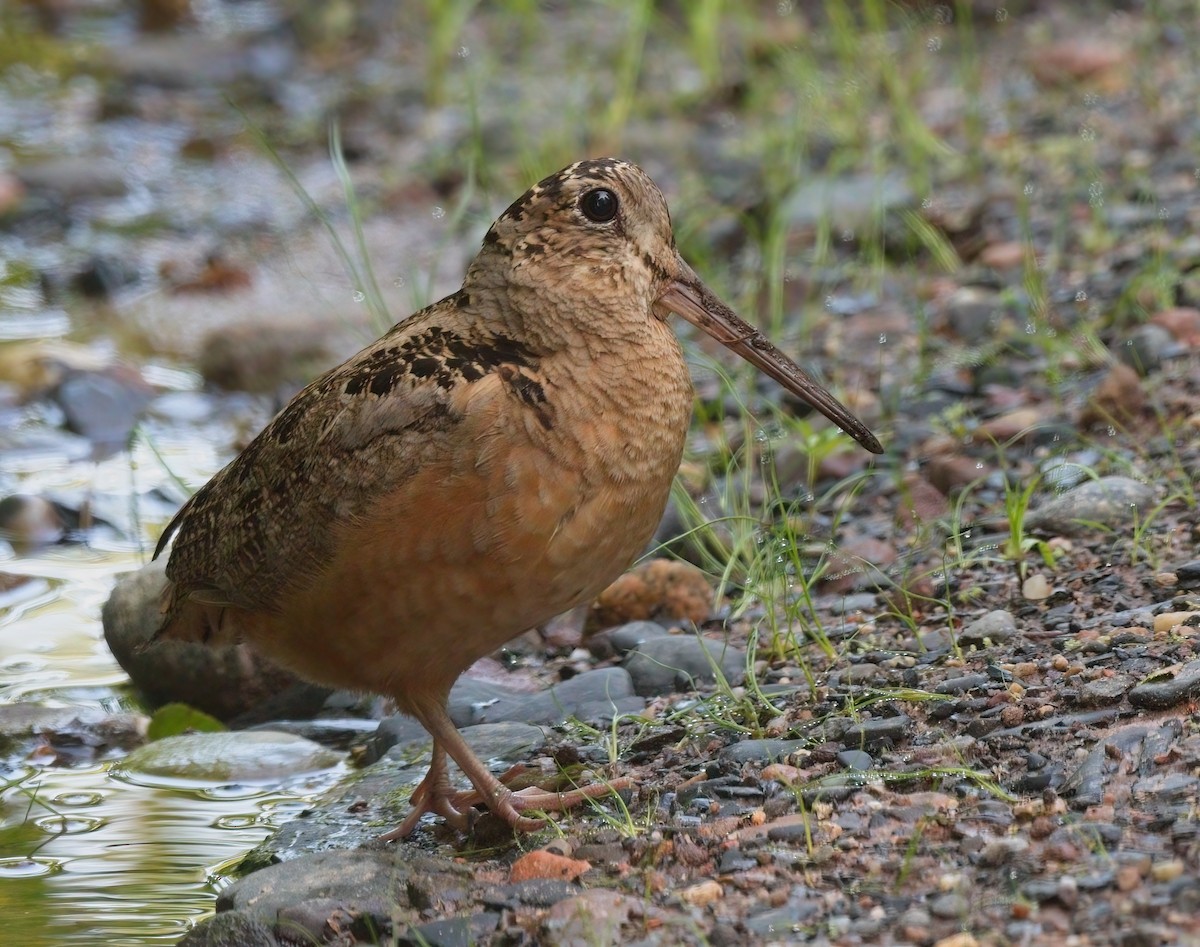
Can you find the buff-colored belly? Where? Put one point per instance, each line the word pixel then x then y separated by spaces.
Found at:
pixel 456 564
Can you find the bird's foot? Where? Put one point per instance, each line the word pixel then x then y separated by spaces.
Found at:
pixel 508 805
pixel 433 794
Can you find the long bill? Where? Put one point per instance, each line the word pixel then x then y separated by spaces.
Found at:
pixel 688 297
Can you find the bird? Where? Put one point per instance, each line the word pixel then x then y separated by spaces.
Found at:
pixel 490 462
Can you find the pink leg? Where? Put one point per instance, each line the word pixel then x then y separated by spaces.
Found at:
pixel 489 790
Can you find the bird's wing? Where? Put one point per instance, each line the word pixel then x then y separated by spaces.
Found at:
pixel 267 520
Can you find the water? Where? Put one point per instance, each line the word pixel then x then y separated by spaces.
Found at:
pixel 87 857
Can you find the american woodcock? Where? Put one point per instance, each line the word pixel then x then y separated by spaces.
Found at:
pixel 490 462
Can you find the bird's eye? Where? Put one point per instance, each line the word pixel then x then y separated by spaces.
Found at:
pixel 599 205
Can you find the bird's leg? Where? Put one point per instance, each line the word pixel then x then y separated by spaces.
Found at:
pixel 433 794
pixel 490 791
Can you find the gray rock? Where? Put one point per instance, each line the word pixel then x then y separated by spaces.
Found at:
pixel 1105 690
pixel 1167 691
pixel 950 905
pixel 971 312
pixel 961 685
pixel 361 880
pixel 1167 788
pixel 82 731
pixel 101 406
pixel 876 731
pixel 996 626
pixel 233 684
pixel 1146 347
pixel 856 760
pixel 375 799
pixel 760 751
pixel 855 602
pixel 624 638
pixel 850 202
pixel 74 177
pixel 27 718
pixel 681 662
pixel 236 756
pixel 594 697
pixel 1111 502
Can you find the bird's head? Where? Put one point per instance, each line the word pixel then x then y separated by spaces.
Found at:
pixel 592 248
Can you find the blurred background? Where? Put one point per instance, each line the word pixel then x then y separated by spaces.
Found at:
pixel 921 199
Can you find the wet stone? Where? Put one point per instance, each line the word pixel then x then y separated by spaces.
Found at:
pixel 30 522
pixel 230 929
pixel 236 756
pixel 356 879
pixel 680 662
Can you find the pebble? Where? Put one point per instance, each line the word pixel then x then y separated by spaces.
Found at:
pixel 856 760
pixel 960 685
pixel 543 864
pixel 706 892
pixel 877 731
pixel 1105 690
pixel 950 905
pixel 1188 574
pixel 595 916
pixel 1036 588
pixel 760 751
pixel 995 626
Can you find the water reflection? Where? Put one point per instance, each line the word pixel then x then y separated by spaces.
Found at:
pixel 138 868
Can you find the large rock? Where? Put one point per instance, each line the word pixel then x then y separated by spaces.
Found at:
pixel 234 684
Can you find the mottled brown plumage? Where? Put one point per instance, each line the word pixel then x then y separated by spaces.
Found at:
pixel 490 462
